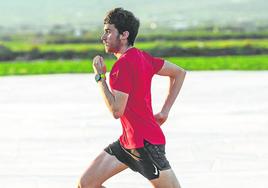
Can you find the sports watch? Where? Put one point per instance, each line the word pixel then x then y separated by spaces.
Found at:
pixel 98 77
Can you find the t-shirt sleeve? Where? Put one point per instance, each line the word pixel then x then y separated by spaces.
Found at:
pixel 157 64
pixel 121 78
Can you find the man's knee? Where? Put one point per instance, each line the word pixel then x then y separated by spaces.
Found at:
pixel 167 179
pixel 170 185
pixel 88 183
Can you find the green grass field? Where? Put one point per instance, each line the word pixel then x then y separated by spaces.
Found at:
pixel 259 62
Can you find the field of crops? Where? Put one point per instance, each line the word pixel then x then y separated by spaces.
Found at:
pixel 51 54
pixel 212 44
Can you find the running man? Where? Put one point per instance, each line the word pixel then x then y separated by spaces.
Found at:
pixel 141 147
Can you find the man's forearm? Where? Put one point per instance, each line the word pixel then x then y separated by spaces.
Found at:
pixel 174 89
pixel 107 95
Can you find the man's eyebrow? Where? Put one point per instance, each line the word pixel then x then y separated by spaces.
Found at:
pixel 107 29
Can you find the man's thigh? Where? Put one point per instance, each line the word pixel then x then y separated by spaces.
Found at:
pixel 167 178
pixel 101 169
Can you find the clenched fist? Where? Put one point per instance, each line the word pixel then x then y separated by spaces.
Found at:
pixel 98 65
pixel 161 117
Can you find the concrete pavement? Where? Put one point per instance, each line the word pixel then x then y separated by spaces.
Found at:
pixel 52 126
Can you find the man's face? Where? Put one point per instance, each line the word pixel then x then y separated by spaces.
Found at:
pixel 111 38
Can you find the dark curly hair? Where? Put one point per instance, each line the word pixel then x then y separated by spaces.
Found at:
pixel 123 20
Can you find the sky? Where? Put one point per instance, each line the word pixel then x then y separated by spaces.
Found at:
pixel 175 13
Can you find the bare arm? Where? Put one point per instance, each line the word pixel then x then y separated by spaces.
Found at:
pixel 176 75
pixel 115 100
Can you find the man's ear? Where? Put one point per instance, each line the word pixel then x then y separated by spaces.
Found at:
pixel 124 35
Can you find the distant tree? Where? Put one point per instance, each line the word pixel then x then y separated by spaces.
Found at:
pixel 6 54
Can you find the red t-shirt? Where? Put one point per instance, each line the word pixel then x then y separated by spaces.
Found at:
pixel 132 74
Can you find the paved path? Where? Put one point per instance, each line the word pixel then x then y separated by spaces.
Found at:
pixel 51 127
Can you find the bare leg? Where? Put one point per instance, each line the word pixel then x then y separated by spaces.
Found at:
pixel 101 169
pixel 166 179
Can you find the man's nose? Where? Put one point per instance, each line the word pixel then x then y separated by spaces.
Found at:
pixel 103 37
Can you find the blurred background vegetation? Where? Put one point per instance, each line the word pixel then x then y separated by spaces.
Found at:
pixel 46 37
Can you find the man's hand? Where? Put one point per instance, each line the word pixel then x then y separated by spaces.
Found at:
pixel 161 117
pixel 98 65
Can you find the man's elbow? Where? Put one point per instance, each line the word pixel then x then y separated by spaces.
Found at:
pixel 117 114
pixel 180 72
pixel 183 72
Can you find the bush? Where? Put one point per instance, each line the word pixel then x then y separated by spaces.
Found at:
pixel 6 54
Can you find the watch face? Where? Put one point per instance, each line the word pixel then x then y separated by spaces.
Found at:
pixel 97 77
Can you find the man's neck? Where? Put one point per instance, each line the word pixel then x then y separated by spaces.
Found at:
pixel 122 51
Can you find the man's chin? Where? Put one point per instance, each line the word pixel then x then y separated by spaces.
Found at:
pixel 108 50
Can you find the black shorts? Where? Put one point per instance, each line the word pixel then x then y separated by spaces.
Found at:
pixel 148 160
